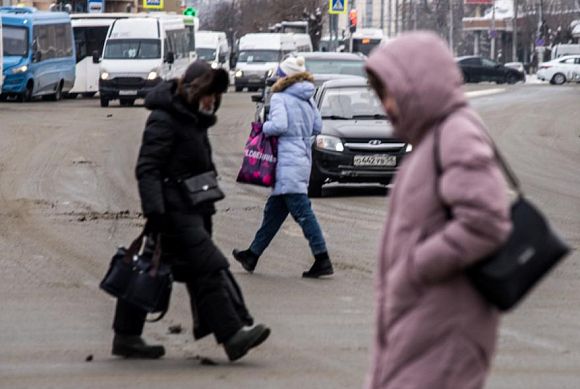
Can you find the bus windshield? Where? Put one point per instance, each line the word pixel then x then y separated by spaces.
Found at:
pixel 364 45
pixel 15 41
pixel 133 49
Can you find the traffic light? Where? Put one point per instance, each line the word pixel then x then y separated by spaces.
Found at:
pixel 352 20
pixel 190 11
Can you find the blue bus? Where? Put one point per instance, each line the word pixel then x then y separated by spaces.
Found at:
pixel 39 56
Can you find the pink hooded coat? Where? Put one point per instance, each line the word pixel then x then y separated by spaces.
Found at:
pixel 434 331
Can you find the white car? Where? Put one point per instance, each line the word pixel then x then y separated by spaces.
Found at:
pixel 561 70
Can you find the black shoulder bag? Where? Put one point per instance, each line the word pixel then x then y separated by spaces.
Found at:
pixel 532 249
pixel 140 279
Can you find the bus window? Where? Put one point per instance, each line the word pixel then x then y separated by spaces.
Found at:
pixel 89 39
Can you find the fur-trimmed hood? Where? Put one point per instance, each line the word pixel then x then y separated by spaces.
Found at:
pixel 286 82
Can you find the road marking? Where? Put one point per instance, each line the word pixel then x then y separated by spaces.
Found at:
pixel 481 93
pixel 534 341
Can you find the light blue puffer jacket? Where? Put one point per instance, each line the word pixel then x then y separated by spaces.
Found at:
pixel 295 120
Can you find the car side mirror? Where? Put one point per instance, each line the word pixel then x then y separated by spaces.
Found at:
pixel 257 99
pixel 170 57
pixel 96 57
pixel 37 56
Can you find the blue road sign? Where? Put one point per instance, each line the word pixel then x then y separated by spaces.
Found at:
pixel 337 6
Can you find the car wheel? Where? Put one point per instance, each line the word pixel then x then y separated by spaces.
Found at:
pixel 315 185
pixel 559 79
pixel 104 102
pixel 56 96
pixel 26 96
pixel 239 88
pixel 70 95
pixel 511 79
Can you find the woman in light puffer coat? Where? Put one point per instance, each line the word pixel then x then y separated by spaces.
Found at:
pixel 295 120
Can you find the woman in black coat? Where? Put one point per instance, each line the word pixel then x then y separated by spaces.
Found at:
pixel 176 147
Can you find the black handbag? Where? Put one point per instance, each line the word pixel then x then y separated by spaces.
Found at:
pixel 140 279
pixel 203 188
pixel 532 249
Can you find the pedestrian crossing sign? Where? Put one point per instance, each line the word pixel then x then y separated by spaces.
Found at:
pixel 336 7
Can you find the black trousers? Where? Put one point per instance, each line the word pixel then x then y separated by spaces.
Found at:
pixel 217 304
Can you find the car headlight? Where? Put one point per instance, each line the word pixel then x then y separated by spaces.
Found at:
pixel 104 76
pixel 327 142
pixel 239 73
pixel 409 148
pixel 152 75
pixel 20 69
pixel 215 65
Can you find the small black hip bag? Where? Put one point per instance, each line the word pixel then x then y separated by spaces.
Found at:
pixel 201 188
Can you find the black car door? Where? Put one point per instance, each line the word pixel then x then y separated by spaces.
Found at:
pixel 492 71
pixel 472 69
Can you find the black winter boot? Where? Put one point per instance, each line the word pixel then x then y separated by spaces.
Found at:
pixel 245 339
pixel 132 346
pixel 321 267
pixel 247 259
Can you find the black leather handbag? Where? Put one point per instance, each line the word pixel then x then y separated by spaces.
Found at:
pixel 532 249
pixel 203 188
pixel 140 279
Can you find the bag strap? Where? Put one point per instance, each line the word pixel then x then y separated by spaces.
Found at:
pixel 507 170
pixel 135 247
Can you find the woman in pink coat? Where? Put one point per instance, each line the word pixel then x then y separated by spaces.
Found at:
pixel 433 329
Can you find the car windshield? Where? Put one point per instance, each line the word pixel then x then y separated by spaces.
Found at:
pixel 259 56
pixel 353 68
pixel 205 54
pixel 15 41
pixel 351 103
pixel 133 49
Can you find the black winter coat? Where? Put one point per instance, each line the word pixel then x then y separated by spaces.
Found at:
pixel 175 146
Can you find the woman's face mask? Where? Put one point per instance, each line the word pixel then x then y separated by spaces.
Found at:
pixel 207 105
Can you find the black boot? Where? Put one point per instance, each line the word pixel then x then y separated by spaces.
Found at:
pixel 321 267
pixel 133 346
pixel 245 339
pixel 247 259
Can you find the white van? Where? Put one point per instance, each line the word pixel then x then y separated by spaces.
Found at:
pixel 259 54
pixel 561 50
pixel 212 47
pixel 139 53
pixel 302 42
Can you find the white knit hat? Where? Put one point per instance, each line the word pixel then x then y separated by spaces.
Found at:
pixel 292 66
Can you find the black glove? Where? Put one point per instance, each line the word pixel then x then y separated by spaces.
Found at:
pixel 156 224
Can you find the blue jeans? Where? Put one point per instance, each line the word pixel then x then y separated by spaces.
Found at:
pixel 277 209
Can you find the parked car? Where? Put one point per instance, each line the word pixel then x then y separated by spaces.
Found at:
pixel 561 70
pixel 478 69
pixel 347 64
pixel 357 143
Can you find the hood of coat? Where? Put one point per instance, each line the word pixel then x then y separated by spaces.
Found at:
pixel 300 85
pixel 164 97
pixel 419 71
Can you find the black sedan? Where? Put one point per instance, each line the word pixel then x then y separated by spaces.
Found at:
pixel 478 69
pixel 357 143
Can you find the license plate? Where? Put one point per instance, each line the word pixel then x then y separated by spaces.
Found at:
pixel 375 160
pixel 127 92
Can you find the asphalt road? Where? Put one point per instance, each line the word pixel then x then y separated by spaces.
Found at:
pixel 68 197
